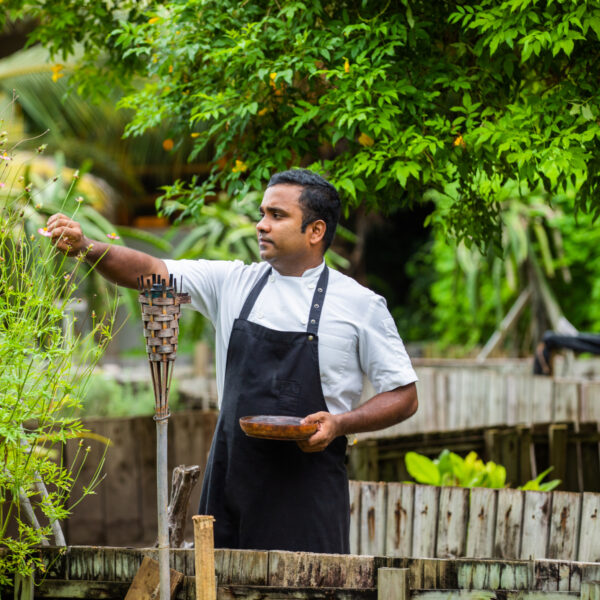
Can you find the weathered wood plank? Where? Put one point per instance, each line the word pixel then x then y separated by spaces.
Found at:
pixel 489 595
pixel 441 400
pixel 269 593
pixel 425 521
pixel 242 567
pixel 542 399
pixel 557 439
pixel 536 524
pixel 454 400
pixel 589 539
pixel 509 517
pixel 590 590
pixel 99 590
pixel 354 491
pixel 524 406
pixel 372 518
pixel 482 523
pixel 497 400
pixel 303 569
pixel 147 580
pixel 565 401
pixel 400 499
pixel 393 584
pixel 453 515
pixel 564 525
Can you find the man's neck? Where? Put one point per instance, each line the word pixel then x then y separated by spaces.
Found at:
pixel 296 270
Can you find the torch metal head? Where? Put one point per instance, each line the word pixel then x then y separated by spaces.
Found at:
pixel 161 307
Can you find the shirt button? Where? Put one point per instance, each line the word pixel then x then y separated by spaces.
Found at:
pixel 272 278
pixel 260 316
pixel 311 286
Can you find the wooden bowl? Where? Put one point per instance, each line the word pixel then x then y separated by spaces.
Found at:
pixel 271 427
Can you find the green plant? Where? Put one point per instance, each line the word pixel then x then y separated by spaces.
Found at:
pixel 451 469
pixel 537 484
pixel 44 365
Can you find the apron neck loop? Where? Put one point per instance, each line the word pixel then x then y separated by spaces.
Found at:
pixel 316 306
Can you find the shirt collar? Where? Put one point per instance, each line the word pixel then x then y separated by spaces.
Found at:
pixel 313 273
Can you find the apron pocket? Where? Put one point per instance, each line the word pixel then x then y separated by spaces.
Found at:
pixel 287 392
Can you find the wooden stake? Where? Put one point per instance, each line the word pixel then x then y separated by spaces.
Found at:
pixel 204 557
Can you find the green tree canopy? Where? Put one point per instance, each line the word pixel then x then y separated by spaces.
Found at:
pixel 389 100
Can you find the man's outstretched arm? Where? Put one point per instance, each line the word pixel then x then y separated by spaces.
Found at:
pixel 116 263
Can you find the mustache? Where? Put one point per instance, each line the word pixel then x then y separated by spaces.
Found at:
pixel 262 238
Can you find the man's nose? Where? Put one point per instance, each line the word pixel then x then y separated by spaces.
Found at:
pixel 262 225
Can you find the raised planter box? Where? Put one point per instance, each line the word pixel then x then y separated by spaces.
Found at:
pixel 106 573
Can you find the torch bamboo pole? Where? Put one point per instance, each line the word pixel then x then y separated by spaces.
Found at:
pixel 161 352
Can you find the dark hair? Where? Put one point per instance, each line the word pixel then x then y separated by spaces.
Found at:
pixel 318 199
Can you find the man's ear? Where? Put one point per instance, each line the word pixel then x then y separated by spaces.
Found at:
pixel 318 229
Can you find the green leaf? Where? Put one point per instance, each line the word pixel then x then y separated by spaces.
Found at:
pixel 422 469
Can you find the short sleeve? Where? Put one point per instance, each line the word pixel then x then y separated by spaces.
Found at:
pixel 203 280
pixel 382 355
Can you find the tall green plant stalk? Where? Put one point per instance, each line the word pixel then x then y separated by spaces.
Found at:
pixel 44 368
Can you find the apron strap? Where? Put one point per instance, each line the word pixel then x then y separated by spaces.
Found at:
pixel 317 302
pixel 315 307
pixel 253 295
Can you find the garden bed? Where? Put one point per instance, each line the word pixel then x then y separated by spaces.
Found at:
pixel 102 572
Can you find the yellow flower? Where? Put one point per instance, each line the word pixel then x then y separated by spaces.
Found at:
pixel 262 112
pixel 460 142
pixel 168 144
pixel 153 20
pixel 170 68
pixel 56 72
pixel 195 134
pixel 365 140
pixel 272 77
pixel 240 166
pixel 346 66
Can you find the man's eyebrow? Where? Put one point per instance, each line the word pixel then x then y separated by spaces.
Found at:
pixel 273 209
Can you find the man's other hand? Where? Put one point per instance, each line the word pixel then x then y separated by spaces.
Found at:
pixel 66 234
pixel 327 431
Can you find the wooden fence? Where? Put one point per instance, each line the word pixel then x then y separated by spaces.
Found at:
pixel 122 512
pixel 454 398
pixel 572 449
pixel 395 519
pixel 91 572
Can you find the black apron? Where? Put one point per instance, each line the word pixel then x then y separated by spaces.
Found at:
pixel 266 494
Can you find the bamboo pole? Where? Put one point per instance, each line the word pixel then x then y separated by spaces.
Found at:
pixel 160 314
pixel 204 557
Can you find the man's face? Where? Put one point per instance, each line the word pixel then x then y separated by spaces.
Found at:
pixel 280 238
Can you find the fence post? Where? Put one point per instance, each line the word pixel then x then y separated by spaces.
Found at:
pixel 393 584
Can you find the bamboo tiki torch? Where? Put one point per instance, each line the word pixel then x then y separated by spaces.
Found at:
pixel 161 307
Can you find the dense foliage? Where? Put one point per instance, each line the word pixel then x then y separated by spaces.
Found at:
pixel 44 366
pixel 389 100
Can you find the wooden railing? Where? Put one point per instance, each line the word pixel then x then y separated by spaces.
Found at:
pixel 396 519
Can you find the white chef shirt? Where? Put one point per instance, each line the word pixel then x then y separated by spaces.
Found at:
pixel 356 332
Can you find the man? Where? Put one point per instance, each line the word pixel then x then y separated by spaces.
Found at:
pixel 292 338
